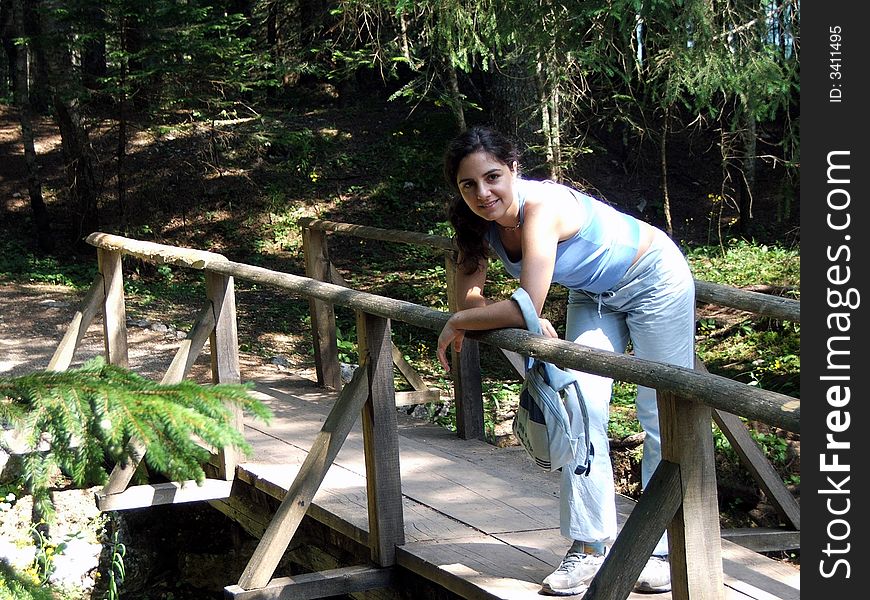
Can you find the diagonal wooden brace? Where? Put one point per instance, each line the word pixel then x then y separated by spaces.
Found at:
pixel 289 515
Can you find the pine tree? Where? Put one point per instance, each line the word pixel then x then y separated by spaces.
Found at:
pixel 81 422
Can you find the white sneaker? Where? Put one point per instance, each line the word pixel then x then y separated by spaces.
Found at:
pixel 655 577
pixel 573 575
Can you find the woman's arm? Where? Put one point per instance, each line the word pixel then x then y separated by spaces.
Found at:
pixel 540 235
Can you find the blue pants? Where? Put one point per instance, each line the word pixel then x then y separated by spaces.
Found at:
pixel 653 306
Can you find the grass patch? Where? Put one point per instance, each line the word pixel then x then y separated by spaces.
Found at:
pixel 19 264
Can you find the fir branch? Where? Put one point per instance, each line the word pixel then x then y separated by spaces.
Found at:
pixel 88 416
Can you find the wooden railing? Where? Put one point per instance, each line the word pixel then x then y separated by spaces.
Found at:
pixel 680 497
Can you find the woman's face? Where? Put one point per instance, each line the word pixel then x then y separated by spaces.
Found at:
pixel 486 185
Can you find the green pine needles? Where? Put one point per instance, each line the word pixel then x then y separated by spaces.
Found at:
pixel 82 421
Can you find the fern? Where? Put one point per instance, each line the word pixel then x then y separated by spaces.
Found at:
pixel 83 420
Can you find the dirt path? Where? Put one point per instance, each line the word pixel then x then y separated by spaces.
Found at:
pixel 34 318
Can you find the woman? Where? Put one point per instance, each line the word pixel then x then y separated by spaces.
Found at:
pixel 627 281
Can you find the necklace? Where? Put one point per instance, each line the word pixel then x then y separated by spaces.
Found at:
pixel 512 227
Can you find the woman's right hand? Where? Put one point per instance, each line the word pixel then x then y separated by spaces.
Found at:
pixel 450 334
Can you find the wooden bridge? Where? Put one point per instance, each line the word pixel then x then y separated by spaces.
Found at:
pixel 413 506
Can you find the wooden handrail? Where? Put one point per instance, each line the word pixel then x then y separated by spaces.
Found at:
pixel 787 309
pixel 719 392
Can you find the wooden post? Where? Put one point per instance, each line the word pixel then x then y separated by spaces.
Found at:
pixel 224 346
pixel 467 387
pixel 115 340
pixel 114 310
pixel 694 539
pixel 381 441
pixel 322 313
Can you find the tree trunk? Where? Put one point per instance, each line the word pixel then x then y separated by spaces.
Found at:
pixel 121 115
pixel 455 95
pixel 94 51
pixel 514 108
pixel 78 159
pixel 41 221
pixel 548 101
pixel 749 142
pixel 666 197
pixel 38 86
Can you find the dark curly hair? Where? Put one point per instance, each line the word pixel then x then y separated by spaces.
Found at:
pixel 470 229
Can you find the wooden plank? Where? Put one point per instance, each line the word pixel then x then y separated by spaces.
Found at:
pixel 114 310
pixel 763 539
pixel 184 358
pixel 224 346
pixel 191 346
pixel 517 361
pixel 757 576
pixel 417 397
pixel 407 371
pixel 484 500
pixel 381 441
pixel 377 233
pixel 694 541
pixel 767 406
pixel 776 307
pixel 122 473
pixel 347 408
pixel 248 515
pixel 340 502
pixel 154 494
pixel 758 303
pixel 82 319
pixel 323 584
pixel 756 462
pixel 323 329
pixel 421 394
pixel 477 567
pixel 155 253
pixel 758 466
pixel 639 535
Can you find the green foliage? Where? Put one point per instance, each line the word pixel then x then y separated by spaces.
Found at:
pixel 87 417
pixel 171 55
pixel 774 447
pixel 347 350
pixel 742 263
pixel 20 264
pixel 117 572
pixel 756 351
pixel 43 560
pixel 17 586
pixel 623 414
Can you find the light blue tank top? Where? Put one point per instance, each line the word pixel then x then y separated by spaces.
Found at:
pixel 596 257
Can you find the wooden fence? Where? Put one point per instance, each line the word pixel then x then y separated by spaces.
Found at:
pixel 681 497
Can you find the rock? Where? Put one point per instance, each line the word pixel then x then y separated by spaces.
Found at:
pixel 76 564
pixel 19 557
pixel 347 372
pixel 280 361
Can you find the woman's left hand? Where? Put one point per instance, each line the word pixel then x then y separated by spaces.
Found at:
pixel 547 328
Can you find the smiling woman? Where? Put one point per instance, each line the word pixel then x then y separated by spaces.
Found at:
pixel 627 281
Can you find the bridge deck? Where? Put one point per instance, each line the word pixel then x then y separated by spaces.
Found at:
pixel 480 521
